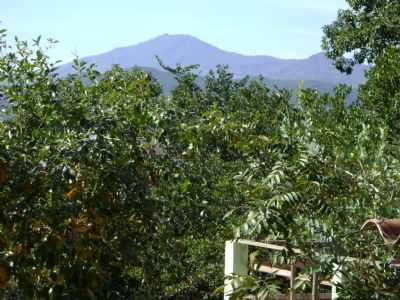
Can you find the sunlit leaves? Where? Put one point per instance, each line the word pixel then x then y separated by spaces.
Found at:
pixel 365 29
pixel 111 190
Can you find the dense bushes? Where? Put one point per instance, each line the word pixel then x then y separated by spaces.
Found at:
pixel 109 189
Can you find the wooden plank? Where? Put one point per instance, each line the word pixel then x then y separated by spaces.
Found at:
pixel 261 245
pixel 315 287
pixel 267 246
pixel 298 251
pixel 264 268
pixel 272 270
pixel 322 296
pixel 292 292
pixel 325 283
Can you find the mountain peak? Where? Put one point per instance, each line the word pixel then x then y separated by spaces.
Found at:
pixel 319 55
pixel 176 36
pixel 185 49
pixel 178 40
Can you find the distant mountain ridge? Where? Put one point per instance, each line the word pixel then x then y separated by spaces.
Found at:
pixel 187 50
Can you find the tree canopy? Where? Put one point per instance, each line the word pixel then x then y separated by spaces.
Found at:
pixel 365 30
pixel 111 189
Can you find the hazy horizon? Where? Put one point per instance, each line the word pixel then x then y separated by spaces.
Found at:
pixel 283 29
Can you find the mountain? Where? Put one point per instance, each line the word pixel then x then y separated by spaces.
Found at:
pixel 186 50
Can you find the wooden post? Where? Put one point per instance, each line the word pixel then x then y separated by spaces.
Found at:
pixel 236 262
pixel 337 278
pixel 293 274
pixel 315 286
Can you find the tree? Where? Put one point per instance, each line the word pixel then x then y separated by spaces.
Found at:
pixel 75 189
pixel 364 30
pixel 109 189
pixel 380 95
pixel 370 32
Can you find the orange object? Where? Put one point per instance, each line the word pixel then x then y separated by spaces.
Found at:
pixel 71 195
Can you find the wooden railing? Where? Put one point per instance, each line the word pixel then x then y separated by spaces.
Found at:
pixel 237 262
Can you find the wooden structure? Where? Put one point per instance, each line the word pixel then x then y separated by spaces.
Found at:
pixel 389 229
pixel 237 262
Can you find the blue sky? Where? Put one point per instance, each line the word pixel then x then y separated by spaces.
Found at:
pixel 282 28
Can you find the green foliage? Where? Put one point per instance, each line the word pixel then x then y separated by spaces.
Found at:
pixel 370 32
pixel 110 189
pixel 381 93
pixel 97 198
pixel 335 169
pixel 365 29
pixel 75 194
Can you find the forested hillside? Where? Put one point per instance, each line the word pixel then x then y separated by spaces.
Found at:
pixel 168 83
